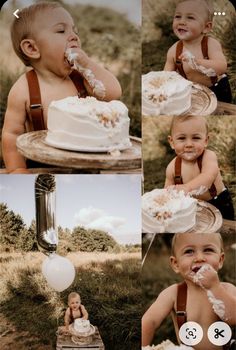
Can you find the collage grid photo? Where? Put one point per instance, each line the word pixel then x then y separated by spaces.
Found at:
pixel 117 175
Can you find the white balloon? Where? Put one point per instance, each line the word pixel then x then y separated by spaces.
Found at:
pixel 58 271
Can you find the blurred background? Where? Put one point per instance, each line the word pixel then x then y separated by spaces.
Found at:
pixel 157 34
pixel 110 34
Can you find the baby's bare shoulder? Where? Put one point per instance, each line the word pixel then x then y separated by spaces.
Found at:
pixel 19 90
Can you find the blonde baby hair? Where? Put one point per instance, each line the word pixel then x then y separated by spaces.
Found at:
pixel 23 27
pixel 73 295
pixel 208 6
pixel 183 118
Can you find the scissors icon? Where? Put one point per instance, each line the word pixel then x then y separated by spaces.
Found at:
pixel 218 333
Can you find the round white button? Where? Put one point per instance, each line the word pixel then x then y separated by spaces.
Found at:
pixel 190 333
pixel 219 333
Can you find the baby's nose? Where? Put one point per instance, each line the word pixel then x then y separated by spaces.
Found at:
pixel 199 256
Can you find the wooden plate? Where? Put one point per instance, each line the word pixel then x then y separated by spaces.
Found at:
pixel 204 101
pixel 208 218
pixel 33 147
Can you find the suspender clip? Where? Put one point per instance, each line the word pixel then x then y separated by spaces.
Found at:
pixel 181 313
pixel 36 106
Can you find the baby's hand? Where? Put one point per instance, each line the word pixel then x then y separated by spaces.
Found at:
pixel 181 188
pixel 77 55
pixel 206 277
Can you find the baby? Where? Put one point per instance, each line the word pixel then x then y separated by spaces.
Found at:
pixel 44 37
pixel 196 56
pixel 75 310
pixel 195 167
pixel 197 257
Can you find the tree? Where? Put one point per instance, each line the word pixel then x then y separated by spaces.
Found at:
pixel 11 226
pixel 92 240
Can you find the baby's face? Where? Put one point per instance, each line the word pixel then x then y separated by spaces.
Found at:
pixel 193 250
pixel 54 32
pixel 189 138
pixel 74 303
pixel 190 20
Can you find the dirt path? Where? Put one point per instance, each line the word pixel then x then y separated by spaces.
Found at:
pixel 11 339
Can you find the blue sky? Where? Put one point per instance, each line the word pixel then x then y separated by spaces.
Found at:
pixel 112 202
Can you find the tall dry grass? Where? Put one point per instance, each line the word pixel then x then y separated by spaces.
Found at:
pixel 109 287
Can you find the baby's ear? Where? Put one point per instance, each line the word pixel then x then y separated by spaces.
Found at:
pixel 30 49
pixel 208 27
pixel 174 264
pixel 222 258
pixel 170 140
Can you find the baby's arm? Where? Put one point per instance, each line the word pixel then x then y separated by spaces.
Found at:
pixel 157 312
pixel 207 176
pixel 221 295
pixel 84 312
pixel 216 63
pixel 14 125
pixel 111 85
pixel 170 174
pixel 170 59
pixel 67 318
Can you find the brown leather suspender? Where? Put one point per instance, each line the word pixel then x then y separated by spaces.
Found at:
pixel 178 63
pixel 36 108
pixel 181 304
pixel 178 178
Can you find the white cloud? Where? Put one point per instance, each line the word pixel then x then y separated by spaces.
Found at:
pixel 94 218
pixel 4 188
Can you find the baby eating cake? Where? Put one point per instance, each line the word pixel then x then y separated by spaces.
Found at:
pixel 168 210
pixel 165 93
pixel 88 124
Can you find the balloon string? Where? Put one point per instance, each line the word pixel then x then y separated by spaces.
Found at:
pixel 150 244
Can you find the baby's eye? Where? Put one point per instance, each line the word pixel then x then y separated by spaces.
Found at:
pixel 177 16
pixel 181 138
pixel 208 250
pixel 61 31
pixel 190 17
pixel 197 138
pixel 188 251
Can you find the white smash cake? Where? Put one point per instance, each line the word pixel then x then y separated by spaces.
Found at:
pixel 166 93
pixel 168 210
pixel 81 326
pixel 88 124
pixel 167 345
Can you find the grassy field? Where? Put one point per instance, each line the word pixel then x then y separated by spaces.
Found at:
pixel 30 311
pixel 158 275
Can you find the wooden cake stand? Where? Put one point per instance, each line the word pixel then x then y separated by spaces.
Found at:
pixel 203 101
pixel 32 146
pixel 208 218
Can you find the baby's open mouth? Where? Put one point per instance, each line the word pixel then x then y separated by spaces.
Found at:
pixel 195 269
pixel 182 31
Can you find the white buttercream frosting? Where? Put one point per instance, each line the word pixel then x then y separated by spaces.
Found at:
pixel 167 345
pixel 88 122
pixel 168 210
pixel 97 85
pixel 81 326
pixel 165 93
